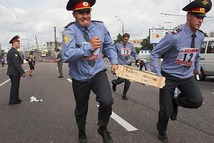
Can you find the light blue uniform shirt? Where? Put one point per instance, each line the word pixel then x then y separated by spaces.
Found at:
pixel 125 53
pixel 169 47
pixel 75 50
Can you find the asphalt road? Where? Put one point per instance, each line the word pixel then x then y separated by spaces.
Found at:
pixel 133 121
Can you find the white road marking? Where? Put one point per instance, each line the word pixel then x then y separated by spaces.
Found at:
pixel 9 79
pixel 4 82
pixel 69 79
pixel 122 122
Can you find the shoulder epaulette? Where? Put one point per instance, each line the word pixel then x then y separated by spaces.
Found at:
pixel 177 30
pixel 69 24
pixel 97 21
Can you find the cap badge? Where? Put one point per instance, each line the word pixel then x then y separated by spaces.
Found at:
pixel 202 10
pixel 204 2
pixel 85 3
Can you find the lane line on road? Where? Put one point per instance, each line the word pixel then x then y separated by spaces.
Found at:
pixel 69 79
pixel 4 82
pixel 122 122
pixel 9 79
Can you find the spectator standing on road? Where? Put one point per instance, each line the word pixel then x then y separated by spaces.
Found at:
pixel 59 62
pixel 83 42
pixel 14 70
pixel 125 51
pixel 2 62
pixel 180 51
pixel 31 62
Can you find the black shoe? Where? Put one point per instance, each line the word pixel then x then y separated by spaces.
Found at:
pixel 163 137
pixel 125 98
pixel 105 135
pixel 60 76
pixel 20 100
pixel 82 137
pixel 114 87
pixel 175 112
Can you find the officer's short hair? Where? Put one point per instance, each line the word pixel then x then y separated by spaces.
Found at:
pixel 126 35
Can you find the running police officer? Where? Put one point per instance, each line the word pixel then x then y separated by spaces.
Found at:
pixel 83 42
pixel 14 70
pixel 125 51
pixel 180 51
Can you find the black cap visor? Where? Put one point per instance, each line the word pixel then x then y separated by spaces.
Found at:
pixel 198 14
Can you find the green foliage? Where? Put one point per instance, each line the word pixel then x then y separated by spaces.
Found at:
pixel 119 38
pixel 137 50
pixel 146 44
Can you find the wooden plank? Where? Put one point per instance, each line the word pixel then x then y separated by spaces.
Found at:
pixel 147 78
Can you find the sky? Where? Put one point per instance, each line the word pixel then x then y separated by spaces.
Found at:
pixel 30 18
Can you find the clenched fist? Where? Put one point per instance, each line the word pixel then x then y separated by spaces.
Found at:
pixel 95 42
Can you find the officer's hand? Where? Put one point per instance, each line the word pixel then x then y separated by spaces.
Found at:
pixel 197 72
pixel 95 42
pixel 114 68
pixel 23 75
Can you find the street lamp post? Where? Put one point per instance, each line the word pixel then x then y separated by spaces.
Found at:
pixel 120 19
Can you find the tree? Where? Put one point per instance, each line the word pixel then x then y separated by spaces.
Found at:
pixel 119 38
pixel 146 44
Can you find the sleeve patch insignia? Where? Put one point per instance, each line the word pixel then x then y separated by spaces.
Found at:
pixel 67 37
pixel 16 55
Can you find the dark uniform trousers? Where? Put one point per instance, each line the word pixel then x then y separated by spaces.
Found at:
pixel 120 80
pixel 126 84
pixel 14 90
pixel 190 97
pixel 60 64
pixel 101 87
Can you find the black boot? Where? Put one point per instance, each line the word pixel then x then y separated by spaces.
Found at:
pixel 124 96
pixel 162 136
pixel 162 128
pixel 82 137
pixel 105 135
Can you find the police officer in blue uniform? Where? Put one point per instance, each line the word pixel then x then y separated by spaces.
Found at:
pixel 180 51
pixel 14 70
pixel 82 46
pixel 125 51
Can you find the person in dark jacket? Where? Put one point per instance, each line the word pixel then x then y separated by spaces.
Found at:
pixel 59 63
pixel 14 70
